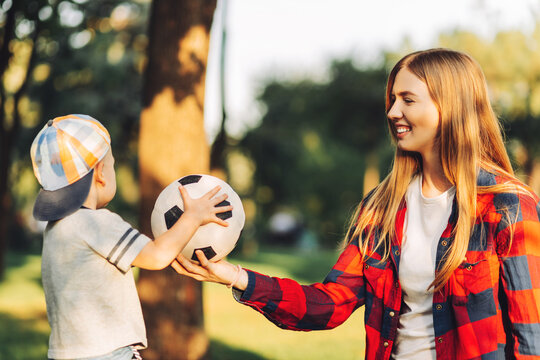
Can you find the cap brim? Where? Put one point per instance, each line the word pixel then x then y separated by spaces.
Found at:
pixel 57 204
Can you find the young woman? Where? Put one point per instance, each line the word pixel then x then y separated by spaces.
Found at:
pixel 444 252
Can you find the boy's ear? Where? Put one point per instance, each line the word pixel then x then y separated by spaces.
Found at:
pixel 98 173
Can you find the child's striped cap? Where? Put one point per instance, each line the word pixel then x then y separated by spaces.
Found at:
pixel 64 154
pixel 67 149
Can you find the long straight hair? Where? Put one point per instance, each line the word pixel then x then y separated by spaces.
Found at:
pixel 469 138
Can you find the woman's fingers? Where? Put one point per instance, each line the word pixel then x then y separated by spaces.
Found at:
pixel 182 271
pixel 179 268
pixel 221 272
pixel 188 265
pixel 202 258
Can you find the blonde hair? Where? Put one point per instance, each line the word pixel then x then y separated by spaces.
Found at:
pixel 470 137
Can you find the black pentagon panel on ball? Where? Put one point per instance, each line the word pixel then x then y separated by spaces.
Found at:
pixel 190 179
pixel 207 251
pixel 172 216
pixel 224 215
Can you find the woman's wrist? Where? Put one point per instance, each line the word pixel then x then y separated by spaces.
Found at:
pixel 236 276
pixel 239 280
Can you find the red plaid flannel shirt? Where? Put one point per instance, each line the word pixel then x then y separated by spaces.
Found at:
pixel 489 308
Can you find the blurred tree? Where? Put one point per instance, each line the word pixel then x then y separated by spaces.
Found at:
pixel 59 57
pixel 172 143
pixel 313 145
pixel 511 63
pixel 16 56
pixel 218 150
pixel 316 141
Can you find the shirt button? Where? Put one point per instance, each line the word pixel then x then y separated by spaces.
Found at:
pixel 391 313
pixel 366 266
pixel 440 340
pixel 396 252
pixel 469 267
pixel 444 243
pixel 438 307
pixel 385 344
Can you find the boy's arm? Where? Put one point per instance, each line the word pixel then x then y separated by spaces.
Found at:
pixel 159 253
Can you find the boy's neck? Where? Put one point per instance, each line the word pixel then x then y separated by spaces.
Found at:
pixel 91 199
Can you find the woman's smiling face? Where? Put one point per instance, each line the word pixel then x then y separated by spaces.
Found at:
pixel 413 114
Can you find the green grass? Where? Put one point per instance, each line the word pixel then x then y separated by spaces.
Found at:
pixel 235 331
pixel 24 330
pixel 240 327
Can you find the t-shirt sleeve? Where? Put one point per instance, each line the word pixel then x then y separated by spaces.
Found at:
pixel 112 237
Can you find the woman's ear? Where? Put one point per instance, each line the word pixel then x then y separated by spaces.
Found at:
pixel 98 174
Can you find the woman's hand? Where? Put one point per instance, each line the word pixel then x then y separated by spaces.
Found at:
pixel 221 272
pixel 204 209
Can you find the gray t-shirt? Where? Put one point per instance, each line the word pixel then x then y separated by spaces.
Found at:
pixel 92 302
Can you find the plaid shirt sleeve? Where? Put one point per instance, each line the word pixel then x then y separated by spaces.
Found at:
pixel 319 306
pixel 520 272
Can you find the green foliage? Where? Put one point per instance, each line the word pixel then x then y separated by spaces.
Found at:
pixel 315 139
pixel 511 63
pixel 88 57
pixel 313 143
pixel 311 146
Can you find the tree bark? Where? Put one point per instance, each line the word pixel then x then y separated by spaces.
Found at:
pixel 172 144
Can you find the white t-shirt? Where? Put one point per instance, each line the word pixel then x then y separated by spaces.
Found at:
pixel 425 221
pixel 92 302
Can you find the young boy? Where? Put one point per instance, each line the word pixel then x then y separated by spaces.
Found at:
pixel 88 251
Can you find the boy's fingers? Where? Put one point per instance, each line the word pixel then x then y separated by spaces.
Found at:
pixel 183 192
pixel 213 192
pixel 220 198
pixel 221 222
pixel 221 209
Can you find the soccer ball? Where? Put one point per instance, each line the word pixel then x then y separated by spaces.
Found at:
pixel 214 240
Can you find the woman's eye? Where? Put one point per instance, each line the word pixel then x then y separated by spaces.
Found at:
pixel 407 100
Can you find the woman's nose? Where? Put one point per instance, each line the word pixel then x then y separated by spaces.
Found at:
pixel 394 113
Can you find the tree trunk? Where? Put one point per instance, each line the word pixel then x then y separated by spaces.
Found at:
pixel 172 144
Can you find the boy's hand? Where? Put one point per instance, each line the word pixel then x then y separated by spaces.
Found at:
pixel 204 209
